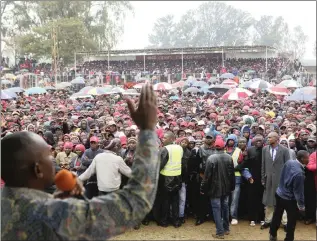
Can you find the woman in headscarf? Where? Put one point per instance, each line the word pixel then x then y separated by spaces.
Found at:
pixel 76 162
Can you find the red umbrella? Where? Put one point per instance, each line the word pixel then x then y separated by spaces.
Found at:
pixel 179 84
pixel 237 94
pixel 229 82
pixel 278 90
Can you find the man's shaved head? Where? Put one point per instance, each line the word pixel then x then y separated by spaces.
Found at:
pixel 25 157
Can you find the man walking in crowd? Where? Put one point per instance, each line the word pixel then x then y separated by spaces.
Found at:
pixel 274 156
pixel 170 182
pixel 290 195
pixel 218 183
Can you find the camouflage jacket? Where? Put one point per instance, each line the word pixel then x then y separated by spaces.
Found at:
pixel 29 214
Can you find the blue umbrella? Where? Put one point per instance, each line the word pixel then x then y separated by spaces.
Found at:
pixel 5 96
pixel 35 90
pixel 16 89
pixel 206 90
pixel 303 94
pixel 174 97
pixel 12 94
pixel 78 80
pixel 200 84
pixel 227 76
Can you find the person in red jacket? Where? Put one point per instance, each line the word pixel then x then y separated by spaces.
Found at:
pixel 311 167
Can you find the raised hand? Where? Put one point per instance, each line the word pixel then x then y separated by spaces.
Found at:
pixel 145 116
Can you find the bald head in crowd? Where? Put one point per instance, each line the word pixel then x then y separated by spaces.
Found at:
pixel 168 138
pixel 26 161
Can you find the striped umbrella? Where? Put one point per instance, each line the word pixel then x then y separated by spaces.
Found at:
pixel 86 88
pixel 237 94
pixel 259 84
pixel 278 90
pixel 227 76
pixel 162 86
pixel 117 90
pixel 290 83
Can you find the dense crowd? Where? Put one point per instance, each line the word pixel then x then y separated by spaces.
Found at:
pixel 78 131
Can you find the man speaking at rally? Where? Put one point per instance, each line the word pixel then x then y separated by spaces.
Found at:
pixel 28 213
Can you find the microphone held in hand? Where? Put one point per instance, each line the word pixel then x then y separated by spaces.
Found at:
pixel 68 185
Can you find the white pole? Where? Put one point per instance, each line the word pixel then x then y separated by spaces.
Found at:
pixel 108 60
pixel 75 64
pixel 182 64
pixel 266 59
pixel 144 62
pixel 223 61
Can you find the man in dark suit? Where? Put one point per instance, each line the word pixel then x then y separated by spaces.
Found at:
pixel 274 156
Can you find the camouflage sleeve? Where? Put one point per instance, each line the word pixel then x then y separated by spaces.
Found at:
pixel 112 214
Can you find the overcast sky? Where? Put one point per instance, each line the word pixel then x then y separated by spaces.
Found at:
pixel 138 27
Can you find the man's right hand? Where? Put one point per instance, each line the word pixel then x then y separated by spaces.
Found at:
pixel 145 116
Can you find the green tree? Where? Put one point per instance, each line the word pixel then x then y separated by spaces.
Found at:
pixel 298 42
pixel 79 26
pixel 271 32
pixel 163 32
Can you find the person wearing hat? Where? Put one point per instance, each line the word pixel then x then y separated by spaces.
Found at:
pixel 63 158
pixel 87 158
pixel 76 164
pixel 201 203
pixel 217 184
pixel 311 144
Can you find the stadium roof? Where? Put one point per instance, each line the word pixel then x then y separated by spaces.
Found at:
pixel 219 49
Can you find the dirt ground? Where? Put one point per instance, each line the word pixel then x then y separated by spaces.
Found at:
pixel 189 231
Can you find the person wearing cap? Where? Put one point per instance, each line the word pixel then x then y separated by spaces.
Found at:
pixel 301 140
pixel 217 184
pixel 201 203
pixel 76 164
pixel 311 144
pixel 274 156
pixel 63 158
pixel 290 195
pixel 170 181
pixel 114 130
pixel 87 158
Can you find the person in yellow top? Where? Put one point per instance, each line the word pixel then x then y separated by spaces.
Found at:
pixel 170 182
pixel 63 158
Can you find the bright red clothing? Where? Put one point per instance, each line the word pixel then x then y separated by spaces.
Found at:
pixel 311 166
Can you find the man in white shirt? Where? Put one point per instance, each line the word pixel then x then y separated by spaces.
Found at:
pixel 108 167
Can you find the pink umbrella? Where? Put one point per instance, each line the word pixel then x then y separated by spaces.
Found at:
pixel 237 94
pixel 162 86
pixel 179 84
pixel 229 82
pixel 278 90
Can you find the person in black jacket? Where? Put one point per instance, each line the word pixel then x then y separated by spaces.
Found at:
pixel 182 192
pixel 218 183
pixel 255 190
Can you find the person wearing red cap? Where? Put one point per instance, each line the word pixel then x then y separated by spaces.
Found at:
pixel 218 183
pixel 63 158
pixel 88 156
pixel 76 164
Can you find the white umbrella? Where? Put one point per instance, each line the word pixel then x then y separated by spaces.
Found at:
pixel 290 84
pixel 162 86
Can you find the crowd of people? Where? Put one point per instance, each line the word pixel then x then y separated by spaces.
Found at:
pixel 260 133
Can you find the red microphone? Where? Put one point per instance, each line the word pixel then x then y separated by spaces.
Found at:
pixel 66 181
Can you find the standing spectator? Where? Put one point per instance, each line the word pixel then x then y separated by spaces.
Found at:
pixel 218 183
pixel 76 163
pixel 170 182
pixel 274 156
pixel 290 195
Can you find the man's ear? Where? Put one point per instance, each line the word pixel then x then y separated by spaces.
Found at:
pixel 37 171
